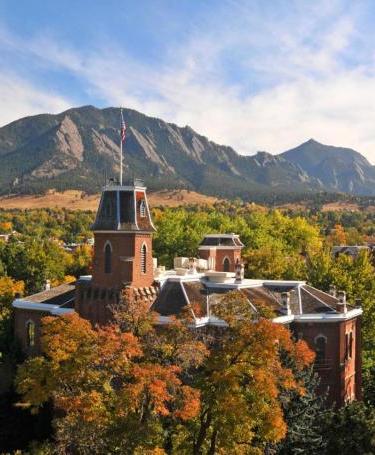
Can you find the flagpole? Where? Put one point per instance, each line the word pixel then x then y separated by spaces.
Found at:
pixel 121 151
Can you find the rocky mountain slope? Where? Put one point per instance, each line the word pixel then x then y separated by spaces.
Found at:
pixel 77 148
pixel 338 169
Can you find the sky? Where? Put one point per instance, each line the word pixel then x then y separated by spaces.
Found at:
pixel 255 75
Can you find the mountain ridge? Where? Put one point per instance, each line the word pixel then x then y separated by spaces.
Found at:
pixel 75 148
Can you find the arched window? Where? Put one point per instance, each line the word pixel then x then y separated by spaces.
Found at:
pixel 226 265
pixel 320 343
pixel 143 258
pixel 142 208
pixel 108 258
pixel 30 334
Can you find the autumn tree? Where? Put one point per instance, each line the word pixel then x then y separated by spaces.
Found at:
pixel 241 382
pixel 109 396
pixel 9 289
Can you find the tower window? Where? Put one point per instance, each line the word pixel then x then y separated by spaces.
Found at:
pixel 142 208
pixel 320 343
pixel 226 265
pixel 108 258
pixel 30 334
pixel 143 259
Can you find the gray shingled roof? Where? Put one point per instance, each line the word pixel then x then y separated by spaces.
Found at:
pixel 172 298
pixel 62 296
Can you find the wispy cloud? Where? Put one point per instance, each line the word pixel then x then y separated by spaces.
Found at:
pixel 251 78
pixel 19 98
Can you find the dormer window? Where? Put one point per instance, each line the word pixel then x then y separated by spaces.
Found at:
pixel 142 208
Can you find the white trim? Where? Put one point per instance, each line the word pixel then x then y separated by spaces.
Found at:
pixel 299 299
pixel 47 307
pixel 148 211
pixel 225 236
pixel 328 317
pixel 320 335
pixel 283 319
pixel 135 209
pixel 285 283
pixel 187 299
pixel 107 242
pixel 317 298
pixel 218 247
pixel 122 188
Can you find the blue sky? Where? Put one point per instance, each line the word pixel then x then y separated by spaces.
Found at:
pixel 256 75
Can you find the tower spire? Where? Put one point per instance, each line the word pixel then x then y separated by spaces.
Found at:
pixel 122 141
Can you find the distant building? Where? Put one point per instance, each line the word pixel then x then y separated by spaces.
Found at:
pixel 351 250
pixel 123 232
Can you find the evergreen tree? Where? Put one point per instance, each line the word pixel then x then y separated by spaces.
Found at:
pixel 303 414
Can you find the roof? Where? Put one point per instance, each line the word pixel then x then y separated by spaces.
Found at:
pixel 119 210
pixel 62 295
pixel 200 296
pixel 57 301
pixel 222 240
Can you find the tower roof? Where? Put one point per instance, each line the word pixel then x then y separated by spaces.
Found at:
pixel 221 240
pixel 123 208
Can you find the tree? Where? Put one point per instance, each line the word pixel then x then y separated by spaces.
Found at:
pixel 350 430
pixel 303 414
pixel 110 396
pixel 9 289
pixel 241 382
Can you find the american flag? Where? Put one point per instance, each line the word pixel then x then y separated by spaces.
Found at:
pixel 123 129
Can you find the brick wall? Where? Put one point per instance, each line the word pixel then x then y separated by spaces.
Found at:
pixel 340 376
pixel 126 260
pixel 21 318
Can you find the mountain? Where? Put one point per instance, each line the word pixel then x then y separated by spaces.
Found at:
pixel 77 148
pixel 338 169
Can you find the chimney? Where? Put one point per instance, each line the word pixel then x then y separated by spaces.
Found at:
pixel 285 301
pixel 240 271
pixel 47 285
pixel 332 290
pixel 341 295
pixel 192 266
pixel 358 302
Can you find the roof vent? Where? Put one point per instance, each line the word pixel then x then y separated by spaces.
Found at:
pixel 341 295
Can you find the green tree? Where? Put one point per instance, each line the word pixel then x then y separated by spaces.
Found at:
pixel 350 430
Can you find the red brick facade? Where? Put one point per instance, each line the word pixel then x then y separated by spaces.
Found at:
pixel 218 256
pixel 21 330
pixel 125 260
pixel 339 366
pixel 122 254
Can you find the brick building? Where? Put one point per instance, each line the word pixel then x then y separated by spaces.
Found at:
pixel 123 259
